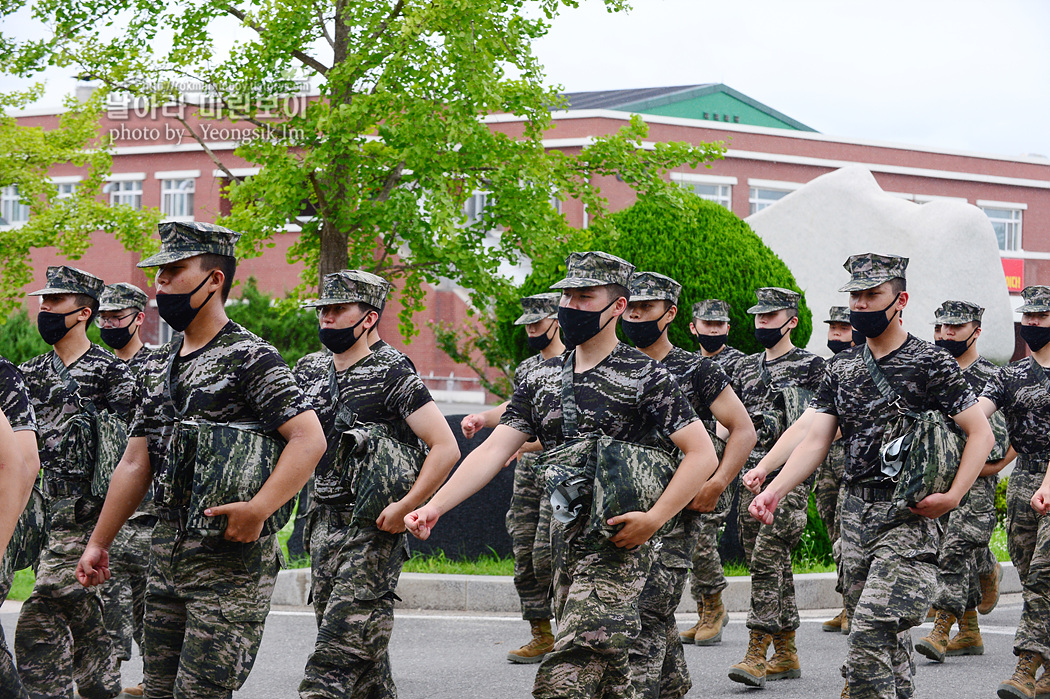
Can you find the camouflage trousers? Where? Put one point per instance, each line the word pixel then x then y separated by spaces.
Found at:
pixel 529 527
pixel 61 637
pixel 10 684
pixel 658 666
pixel 1028 539
pixel 827 494
pixel 970 527
pixel 1022 522
pixel 124 594
pixel 768 549
pixel 354 571
pixel 206 602
pixel 890 561
pixel 708 577
pixel 596 592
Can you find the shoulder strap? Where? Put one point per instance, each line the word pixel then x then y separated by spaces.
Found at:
pixel 569 426
pixel 344 416
pixel 169 380
pixel 1041 371
pixel 71 384
pixel 882 382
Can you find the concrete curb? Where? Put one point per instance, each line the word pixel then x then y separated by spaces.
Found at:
pixel 496 593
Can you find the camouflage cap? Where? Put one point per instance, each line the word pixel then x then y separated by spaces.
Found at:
pixel 714 310
pixel 870 269
pixel 957 313
pixel 180 240
pixel 117 297
pixel 70 280
pixel 651 286
pixel 1036 299
pixel 538 307
pixel 351 286
pixel 595 269
pixel 773 298
pixel 838 314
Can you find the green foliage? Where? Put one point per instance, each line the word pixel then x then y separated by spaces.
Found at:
pixel 486 564
pixel 398 140
pixel 22 585
pixel 19 339
pixel 1000 500
pixel 292 330
pixel 814 546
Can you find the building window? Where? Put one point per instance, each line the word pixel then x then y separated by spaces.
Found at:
pixel 12 210
pixel 760 198
pixel 474 207
pixel 718 193
pixel 65 190
pixel 127 192
pixel 176 198
pixel 1007 225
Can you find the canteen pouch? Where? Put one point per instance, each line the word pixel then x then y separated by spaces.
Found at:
pixel 628 478
pixel 111 441
pixel 380 469
pixel 231 463
pixel 30 535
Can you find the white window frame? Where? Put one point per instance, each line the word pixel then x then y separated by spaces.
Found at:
pixel 176 198
pixel 474 207
pixel 1008 218
pixel 13 212
pixel 126 191
pixel 718 189
pixel 755 199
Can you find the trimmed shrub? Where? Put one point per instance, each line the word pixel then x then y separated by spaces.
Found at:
pixel 19 339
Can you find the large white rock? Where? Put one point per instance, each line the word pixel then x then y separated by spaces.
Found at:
pixel 951 244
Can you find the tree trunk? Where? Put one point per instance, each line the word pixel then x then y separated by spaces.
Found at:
pixel 333 255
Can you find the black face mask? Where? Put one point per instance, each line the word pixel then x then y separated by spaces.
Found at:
pixel 177 309
pixel 957 348
pixel 540 342
pixel 837 346
pixel 872 323
pixel 580 326
pixel 769 337
pixel 52 326
pixel 340 340
pixel 643 333
pixel 858 338
pixel 712 343
pixel 117 338
pixel 1034 336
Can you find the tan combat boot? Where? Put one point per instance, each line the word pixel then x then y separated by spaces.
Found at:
pixel 752 669
pixel 784 663
pixel 688 635
pixel 934 645
pixel 845 622
pixel 542 642
pixel 136 691
pixel 714 619
pixel 845 691
pixel 1021 684
pixel 1042 686
pixel 835 624
pixel 968 641
pixel 990 589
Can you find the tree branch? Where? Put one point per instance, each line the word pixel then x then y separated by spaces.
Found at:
pixel 211 154
pixel 321 23
pixel 303 57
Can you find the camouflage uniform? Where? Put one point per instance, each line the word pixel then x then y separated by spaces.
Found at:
pixel 18 409
pixel 354 565
pixel 889 554
pixel 768 547
pixel 1021 390
pixel 60 637
pixel 206 597
pixel 597 585
pixel 827 482
pixel 717 310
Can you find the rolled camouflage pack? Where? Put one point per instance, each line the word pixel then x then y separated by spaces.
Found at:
pixel 30 535
pixel 211 464
pixel 1002 436
pixel 790 402
pixel 570 464
pixel 928 457
pixel 725 500
pixel 379 468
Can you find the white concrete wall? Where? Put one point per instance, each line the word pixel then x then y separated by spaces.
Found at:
pixel 952 247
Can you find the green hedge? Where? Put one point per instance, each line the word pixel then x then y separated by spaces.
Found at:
pixel 702 245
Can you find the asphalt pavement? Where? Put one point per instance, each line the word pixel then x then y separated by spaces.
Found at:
pixel 438 655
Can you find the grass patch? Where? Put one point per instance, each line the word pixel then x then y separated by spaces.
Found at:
pixel 22 585
pixel 486 564
pixel 998 544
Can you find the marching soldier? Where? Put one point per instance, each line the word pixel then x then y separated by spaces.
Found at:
pixel 710 326
pixel 529 514
pixel 964 541
pixel 657 660
pixel 601 390
pixel 21 462
pixel 774 385
pixel 1021 390
pixel 60 635
pixel 889 552
pixel 357 546
pixel 121 312
pixel 228 393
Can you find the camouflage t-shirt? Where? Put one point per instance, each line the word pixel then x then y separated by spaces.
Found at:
pixel 381 347
pixel 752 378
pixel 14 398
pixel 979 374
pixel 925 376
pixel 236 377
pixel 526 367
pixel 628 397
pixel 1021 390
pixel 139 359
pixel 378 388
pixel 700 379
pixel 103 379
pixel 728 359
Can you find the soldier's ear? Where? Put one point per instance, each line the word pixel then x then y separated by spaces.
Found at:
pixel 902 300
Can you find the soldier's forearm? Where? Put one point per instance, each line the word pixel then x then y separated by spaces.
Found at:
pixel 129 485
pixel 435 470
pixel 803 461
pixel 16 483
pixel 738 448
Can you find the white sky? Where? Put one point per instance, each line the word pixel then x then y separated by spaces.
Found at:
pixel 963 74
